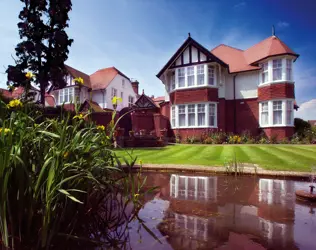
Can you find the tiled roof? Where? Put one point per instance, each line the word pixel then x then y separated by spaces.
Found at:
pixel 233 57
pixel 159 99
pixel 244 60
pixel 312 122
pixel 49 100
pixel 76 73
pixel 17 93
pixel 102 78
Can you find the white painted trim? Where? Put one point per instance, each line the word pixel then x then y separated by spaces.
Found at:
pixel 196 116
pixel 270 113
pixel 275 82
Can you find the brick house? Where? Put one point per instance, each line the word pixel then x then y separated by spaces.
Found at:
pixel 98 89
pixel 229 89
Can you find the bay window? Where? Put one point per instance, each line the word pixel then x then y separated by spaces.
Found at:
pixel 201 114
pixel 66 95
pixel 130 101
pixel 277 69
pixel 200 75
pixel 181 113
pixel 190 75
pixel 194 115
pixel 211 76
pixel 276 113
pixel 181 77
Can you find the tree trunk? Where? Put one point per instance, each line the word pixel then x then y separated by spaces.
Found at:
pixel 42 88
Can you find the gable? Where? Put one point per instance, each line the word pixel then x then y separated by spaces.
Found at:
pixel 144 102
pixel 190 52
pixel 190 55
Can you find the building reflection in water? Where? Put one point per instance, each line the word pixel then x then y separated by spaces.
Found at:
pixel 220 211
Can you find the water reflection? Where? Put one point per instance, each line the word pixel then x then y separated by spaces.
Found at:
pixel 223 212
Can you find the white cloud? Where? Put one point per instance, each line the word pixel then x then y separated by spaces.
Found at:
pixel 283 24
pixel 307 110
pixel 240 5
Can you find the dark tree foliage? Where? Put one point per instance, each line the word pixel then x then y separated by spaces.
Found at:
pixel 301 126
pixel 44 47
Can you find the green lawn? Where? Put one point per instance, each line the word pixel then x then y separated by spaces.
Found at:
pixel 274 157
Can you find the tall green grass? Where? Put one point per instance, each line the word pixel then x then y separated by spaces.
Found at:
pixel 50 171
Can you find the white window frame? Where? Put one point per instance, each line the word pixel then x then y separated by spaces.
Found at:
pixel 123 83
pixel 130 101
pixel 200 71
pixel 285 113
pixel 192 110
pixel 287 65
pixel 113 92
pixel 278 66
pixel 264 111
pixel 190 74
pixel 203 69
pixel 264 71
pixel 289 112
pixel 277 107
pixel 62 94
pixel 174 110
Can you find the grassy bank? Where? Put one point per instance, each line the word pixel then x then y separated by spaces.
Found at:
pixel 273 157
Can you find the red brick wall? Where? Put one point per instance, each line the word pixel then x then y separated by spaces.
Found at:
pixel 281 132
pixel 221 114
pixel 70 107
pixel 194 95
pixel 161 122
pixel 165 109
pixel 185 132
pixel 142 120
pixel 102 118
pixel 276 91
pixel 247 117
pixel 229 116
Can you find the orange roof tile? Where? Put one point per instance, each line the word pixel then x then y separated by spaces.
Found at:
pixel 102 78
pixel 271 46
pixel 76 73
pixel 244 60
pixel 233 57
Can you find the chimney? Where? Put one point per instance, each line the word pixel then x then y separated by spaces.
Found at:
pixel 152 97
pixel 135 86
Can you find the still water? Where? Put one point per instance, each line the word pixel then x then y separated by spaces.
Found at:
pixel 224 212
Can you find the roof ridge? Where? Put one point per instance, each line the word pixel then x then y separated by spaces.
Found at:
pixel 222 44
pixel 76 69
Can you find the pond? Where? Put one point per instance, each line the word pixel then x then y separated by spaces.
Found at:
pixel 224 212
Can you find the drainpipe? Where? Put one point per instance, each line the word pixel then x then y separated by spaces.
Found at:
pixel 235 107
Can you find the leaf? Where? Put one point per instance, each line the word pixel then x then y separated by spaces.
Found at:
pixel 50 134
pixel 74 199
pixel 63 191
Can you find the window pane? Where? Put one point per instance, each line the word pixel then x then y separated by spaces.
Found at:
pixel 277 69
pixel 181 115
pixel 71 94
pixel 173 114
pixel 201 114
pixel 289 112
pixel 212 114
pixel 190 73
pixel 200 75
pixel 211 76
pixel 264 114
pixel 173 81
pixel 277 112
pixel 61 98
pixel 288 69
pixel 181 76
pixel 191 111
pixel 66 99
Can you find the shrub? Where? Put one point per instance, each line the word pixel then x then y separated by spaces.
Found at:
pixel 208 140
pixel 301 127
pixel 234 139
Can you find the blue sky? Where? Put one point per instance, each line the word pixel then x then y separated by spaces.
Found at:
pixel 139 36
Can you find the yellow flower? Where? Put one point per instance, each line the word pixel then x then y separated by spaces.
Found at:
pixel 116 100
pixel 66 154
pixel 136 195
pixel 101 127
pixel 14 103
pixel 79 80
pixel 140 162
pixel 29 75
pixel 5 130
pixel 79 116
